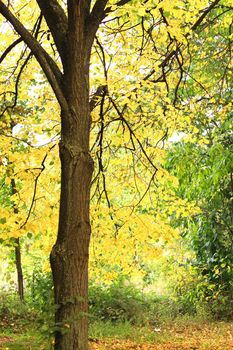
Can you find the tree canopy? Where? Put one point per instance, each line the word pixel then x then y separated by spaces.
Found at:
pixel 112 83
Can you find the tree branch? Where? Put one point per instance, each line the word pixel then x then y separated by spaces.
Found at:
pixel 49 67
pixel 95 18
pixel 98 8
pixel 205 13
pixel 17 85
pixel 100 91
pixel 56 20
pixel 41 169
pixel 174 52
pixel 98 13
pixel 131 131
pixel 5 53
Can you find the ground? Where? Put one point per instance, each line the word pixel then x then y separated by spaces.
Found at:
pixel 172 336
pixel 203 336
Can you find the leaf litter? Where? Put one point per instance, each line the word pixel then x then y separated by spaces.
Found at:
pixel 207 336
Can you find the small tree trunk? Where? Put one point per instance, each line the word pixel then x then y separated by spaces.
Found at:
pixel 19 269
pixel 18 263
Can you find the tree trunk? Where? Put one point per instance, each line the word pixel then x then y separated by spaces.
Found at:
pixel 18 263
pixel 19 269
pixel 69 256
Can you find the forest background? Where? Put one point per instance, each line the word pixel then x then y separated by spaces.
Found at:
pixel 161 141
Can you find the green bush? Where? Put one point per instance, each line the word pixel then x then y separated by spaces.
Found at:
pixel 41 300
pixel 40 290
pixel 161 308
pixel 14 312
pixel 124 302
pixel 199 297
pixel 118 302
pixel 221 306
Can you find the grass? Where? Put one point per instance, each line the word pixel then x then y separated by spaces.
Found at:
pixel 28 340
pixel 108 330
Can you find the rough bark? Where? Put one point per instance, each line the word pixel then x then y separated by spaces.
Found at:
pixel 69 257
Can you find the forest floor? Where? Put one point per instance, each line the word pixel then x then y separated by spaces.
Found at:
pixel 170 336
pixel 203 336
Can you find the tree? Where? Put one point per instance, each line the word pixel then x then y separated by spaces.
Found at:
pixel 202 162
pixel 6 192
pixel 73 28
pixel 19 167
pixel 208 182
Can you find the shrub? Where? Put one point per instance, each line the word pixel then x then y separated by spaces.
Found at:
pixel 40 287
pixel 14 312
pixel 120 301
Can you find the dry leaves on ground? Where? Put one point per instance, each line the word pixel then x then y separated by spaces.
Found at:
pixel 216 336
